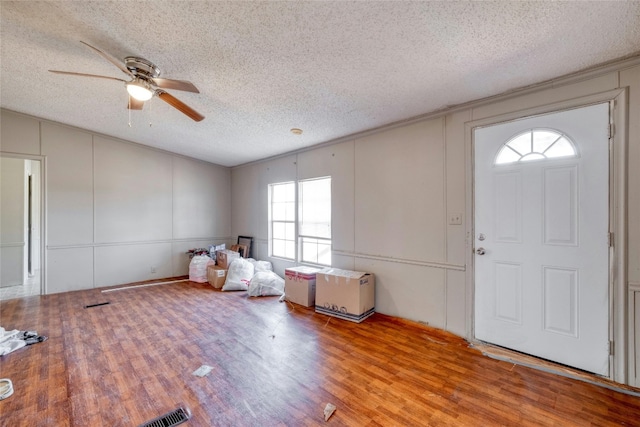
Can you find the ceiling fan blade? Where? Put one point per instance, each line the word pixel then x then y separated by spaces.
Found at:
pixel 86 75
pixel 184 108
pixel 176 85
pixel 135 104
pixel 110 59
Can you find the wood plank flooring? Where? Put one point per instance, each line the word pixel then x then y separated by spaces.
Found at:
pixel 274 364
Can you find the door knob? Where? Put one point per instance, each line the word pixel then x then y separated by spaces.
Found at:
pixel 480 251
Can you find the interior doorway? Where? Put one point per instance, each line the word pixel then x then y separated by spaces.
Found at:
pixel 541 225
pixel 20 227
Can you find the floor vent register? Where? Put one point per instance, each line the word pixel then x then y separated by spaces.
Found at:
pixel 170 419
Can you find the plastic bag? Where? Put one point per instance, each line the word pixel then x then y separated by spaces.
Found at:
pixel 198 268
pixel 260 265
pixel 239 275
pixel 266 283
pixel 263 266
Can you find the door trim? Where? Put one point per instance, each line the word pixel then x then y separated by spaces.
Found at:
pixel 619 331
pixel 43 210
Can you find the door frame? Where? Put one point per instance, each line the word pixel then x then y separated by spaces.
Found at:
pixel 619 331
pixel 43 210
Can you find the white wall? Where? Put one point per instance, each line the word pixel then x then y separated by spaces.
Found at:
pixel 12 226
pixel 395 189
pixel 389 214
pixel 116 211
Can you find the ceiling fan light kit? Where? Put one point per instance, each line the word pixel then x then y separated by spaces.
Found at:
pixel 144 83
pixel 140 90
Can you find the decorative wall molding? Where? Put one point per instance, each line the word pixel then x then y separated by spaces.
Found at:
pixel 12 244
pixel 431 264
pixel 146 242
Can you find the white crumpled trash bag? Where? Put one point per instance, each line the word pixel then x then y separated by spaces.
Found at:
pixel 266 283
pixel 260 265
pixel 198 268
pixel 239 275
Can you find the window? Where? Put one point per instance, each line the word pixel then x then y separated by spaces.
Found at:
pixel 282 223
pixel 535 144
pixel 315 221
pixel 300 227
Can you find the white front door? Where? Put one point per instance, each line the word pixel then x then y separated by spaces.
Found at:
pixel 541 200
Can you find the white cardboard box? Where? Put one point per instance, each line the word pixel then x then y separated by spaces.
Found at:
pixel 346 294
pixel 300 285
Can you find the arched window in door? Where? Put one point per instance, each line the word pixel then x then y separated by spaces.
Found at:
pixel 536 144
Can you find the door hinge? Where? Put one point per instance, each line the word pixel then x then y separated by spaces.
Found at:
pixel 610 239
pixel 611 346
pixel 611 131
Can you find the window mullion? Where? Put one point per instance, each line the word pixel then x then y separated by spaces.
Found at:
pixel 300 212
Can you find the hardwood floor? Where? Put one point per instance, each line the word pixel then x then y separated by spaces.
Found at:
pixel 273 363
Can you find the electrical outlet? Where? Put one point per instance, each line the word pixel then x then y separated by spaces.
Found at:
pixel 153 269
pixel 455 219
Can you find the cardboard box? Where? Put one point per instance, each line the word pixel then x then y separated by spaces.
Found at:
pixel 225 258
pixel 300 285
pixel 349 295
pixel 216 276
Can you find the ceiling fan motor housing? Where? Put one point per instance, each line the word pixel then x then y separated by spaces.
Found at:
pixel 141 67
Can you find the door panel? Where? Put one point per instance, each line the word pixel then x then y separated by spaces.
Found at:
pixel 560 199
pixel 560 307
pixel 508 292
pixel 541 284
pixel 508 207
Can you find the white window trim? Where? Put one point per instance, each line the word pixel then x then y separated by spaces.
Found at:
pixel 298 237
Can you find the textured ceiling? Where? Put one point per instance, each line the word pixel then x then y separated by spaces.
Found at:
pixel 330 68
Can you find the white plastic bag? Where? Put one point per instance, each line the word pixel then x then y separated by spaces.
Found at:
pixel 239 275
pixel 198 268
pixel 266 283
pixel 11 345
pixel 263 266
pixel 260 265
pixel 9 341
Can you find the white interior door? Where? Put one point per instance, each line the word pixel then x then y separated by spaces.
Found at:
pixel 541 200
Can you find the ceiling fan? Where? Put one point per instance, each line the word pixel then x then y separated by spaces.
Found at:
pixel 145 83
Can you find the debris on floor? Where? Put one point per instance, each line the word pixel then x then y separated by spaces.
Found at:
pixel 11 341
pixel 32 337
pixel 329 410
pixel 202 371
pixel 6 388
pixel 97 304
